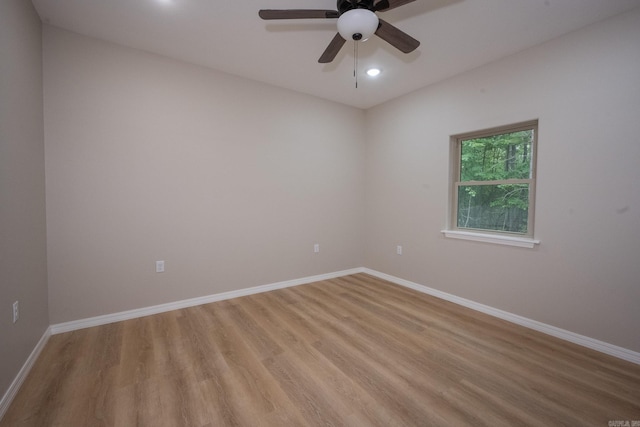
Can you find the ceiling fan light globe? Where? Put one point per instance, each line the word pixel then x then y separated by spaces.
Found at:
pixel 362 23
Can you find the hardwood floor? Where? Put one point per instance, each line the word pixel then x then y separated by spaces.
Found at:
pixel 354 351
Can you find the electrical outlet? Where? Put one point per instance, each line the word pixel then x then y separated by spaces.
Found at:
pixel 16 312
pixel 399 250
pixel 159 266
pixel 316 248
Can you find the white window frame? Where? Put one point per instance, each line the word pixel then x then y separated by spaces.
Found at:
pixel 526 240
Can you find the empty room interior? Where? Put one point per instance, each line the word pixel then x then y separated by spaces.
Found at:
pixel 203 224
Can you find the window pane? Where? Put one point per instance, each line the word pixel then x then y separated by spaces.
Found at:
pixel 503 207
pixel 497 157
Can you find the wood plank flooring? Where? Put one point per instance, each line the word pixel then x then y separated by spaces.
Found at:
pixel 354 351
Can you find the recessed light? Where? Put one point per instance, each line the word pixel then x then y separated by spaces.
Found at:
pixel 372 72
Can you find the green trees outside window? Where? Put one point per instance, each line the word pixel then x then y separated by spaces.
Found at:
pixel 495 175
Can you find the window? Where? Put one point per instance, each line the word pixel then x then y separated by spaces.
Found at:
pixel 493 181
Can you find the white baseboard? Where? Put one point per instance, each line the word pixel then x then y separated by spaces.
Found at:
pixel 146 311
pixel 22 375
pixel 601 346
pixel 582 340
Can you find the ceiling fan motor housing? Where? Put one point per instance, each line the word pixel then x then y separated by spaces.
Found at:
pixel 346 5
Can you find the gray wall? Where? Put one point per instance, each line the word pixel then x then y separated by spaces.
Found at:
pixel 585 275
pixel 229 181
pixel 23 268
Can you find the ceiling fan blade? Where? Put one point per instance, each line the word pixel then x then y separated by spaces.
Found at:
pixel 384 5
pixel 298 14
pixel 396 38
pixel 332 50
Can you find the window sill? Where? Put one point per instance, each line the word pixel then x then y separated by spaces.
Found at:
pixel 522 242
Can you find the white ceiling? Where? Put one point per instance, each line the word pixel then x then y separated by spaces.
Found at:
pixel 228 35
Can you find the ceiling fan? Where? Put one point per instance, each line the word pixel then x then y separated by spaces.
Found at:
pixel 357 20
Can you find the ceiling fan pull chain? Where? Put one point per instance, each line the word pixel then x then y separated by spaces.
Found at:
pixel 355 62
